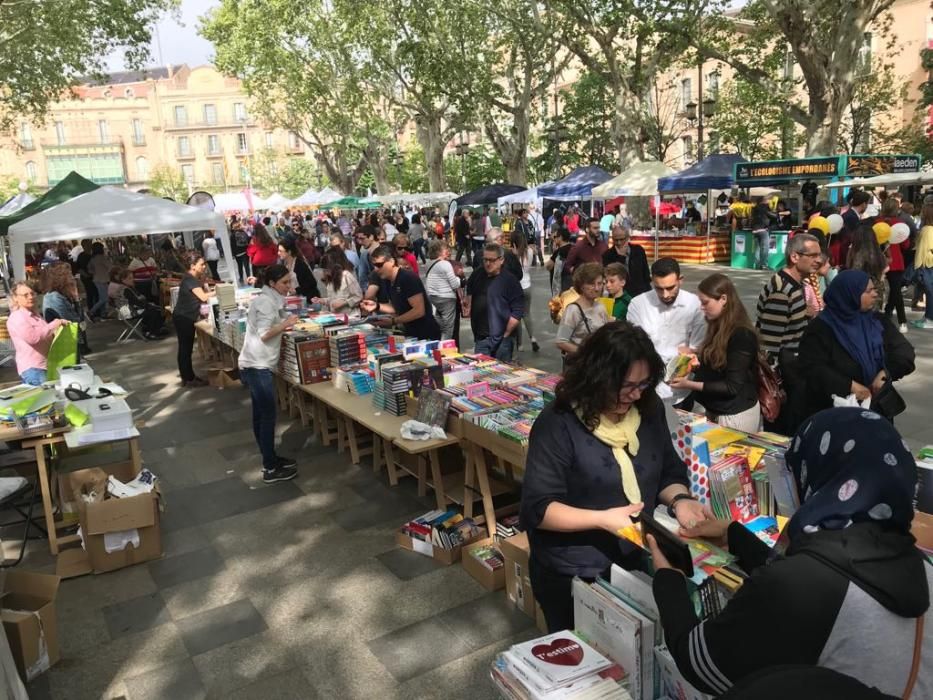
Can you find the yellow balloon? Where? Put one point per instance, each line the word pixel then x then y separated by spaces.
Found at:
pixel 821 223
pixel 882 232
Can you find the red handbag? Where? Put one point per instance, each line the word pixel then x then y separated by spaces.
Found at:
pixel 771 394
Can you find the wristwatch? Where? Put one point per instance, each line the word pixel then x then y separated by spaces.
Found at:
pixel 675 499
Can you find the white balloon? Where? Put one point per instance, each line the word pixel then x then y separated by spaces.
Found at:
pixel 899 233
pixel 835 223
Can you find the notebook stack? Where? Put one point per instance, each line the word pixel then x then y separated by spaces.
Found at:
pixel 226 296
pixel 507 526
pixel 559 665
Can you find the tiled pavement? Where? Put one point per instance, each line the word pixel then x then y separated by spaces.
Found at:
pixel 295 590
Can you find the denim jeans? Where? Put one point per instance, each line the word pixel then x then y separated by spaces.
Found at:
pixel 262 391
pixel 925 276
pixel 502 351
pixel 34 376
pixel 101 305
pixel 764 245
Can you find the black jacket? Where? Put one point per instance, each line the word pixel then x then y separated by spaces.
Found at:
pixel 827 369
pixel 735 388
pixel 639 276
pixel 789 608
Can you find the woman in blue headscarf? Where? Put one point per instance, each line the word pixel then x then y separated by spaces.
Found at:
pixel 845 588
pixel 850 349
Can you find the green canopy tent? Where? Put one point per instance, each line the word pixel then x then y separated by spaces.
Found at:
pixel 350 203
pixel 70 187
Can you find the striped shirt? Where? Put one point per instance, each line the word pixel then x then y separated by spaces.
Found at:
pixel 782 314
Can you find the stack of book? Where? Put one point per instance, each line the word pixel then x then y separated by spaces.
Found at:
pixel 732 491
pixel 507 526
pixel 442 528
pixel 356 379
pixel 489 556
pixel 305 358
pixel 347 348
pixel 559 665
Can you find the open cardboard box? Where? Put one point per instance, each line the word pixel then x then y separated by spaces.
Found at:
pixel 490 580
pixel 516 552
pixel 100 521
pixel 223 376
pixel 438 554
pixel 28 615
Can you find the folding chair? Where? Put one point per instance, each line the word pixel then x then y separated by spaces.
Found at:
pixel 131 324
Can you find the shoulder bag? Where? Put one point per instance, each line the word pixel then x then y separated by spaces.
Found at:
pixel 915 664
pixel 771 394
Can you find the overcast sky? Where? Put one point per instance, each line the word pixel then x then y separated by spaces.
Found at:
pixel 178 40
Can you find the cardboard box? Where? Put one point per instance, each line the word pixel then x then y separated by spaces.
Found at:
pixel 107 517
pixel 516 552
pixel 223 377
pixel 438 554
pixel 28 616
pixel 490 580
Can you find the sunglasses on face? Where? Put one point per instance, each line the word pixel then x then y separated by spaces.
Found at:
pixel 378 265
pixel 490 261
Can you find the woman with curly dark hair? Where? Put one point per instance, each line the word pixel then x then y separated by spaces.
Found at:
pixel 598 455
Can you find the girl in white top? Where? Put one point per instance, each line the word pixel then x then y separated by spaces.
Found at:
pixel 526 255
pixel 211 253
pixel 441 283
pixel 341 288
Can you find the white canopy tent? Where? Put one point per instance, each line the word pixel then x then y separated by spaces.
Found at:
pixel 276 201
pixel 416 198
pixel 14 204
pixel 641 180
pixel 238 201
pixel 529 196
pixel 109 212
pixel 305 199
pixel 919 178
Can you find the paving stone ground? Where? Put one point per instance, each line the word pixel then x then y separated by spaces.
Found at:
pixel 295 590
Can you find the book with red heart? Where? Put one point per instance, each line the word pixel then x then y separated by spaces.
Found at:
pixel 559 658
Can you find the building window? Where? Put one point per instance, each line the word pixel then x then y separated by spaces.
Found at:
pixel 239 112
pixel 142 168
pixel 210 114
pixel 184 146
pixel 294 143
pixel 213 144
pixel 688 149
pixel 217 173
pixel 242 146
pixel 864 55
pixel 187 171
pixel 139 138
pixel 269 140
pixel 25 136
pixel 32 174
pixel 181 115
pixel 712 85
pixel 713 142
pixel 103 131
pixel 686 93
pixel 60 133
pixel 128 92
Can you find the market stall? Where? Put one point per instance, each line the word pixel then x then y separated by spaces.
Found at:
pixel 798 181
pixel 575 186
pixel 243 201
pixel 486 195
pixel 108 212
pixel 709 244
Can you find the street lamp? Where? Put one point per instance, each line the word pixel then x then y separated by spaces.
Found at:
pixel 461 150
pixel 695 114
pixel 556 132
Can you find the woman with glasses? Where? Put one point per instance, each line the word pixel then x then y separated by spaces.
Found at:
pixel 584 316
pixel 31 335
pixel 851 348
pixel 599 454
pixel 341 289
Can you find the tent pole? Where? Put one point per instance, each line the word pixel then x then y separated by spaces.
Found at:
pixel 657 224
pixel 709 196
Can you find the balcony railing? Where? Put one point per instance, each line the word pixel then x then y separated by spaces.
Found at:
pixel 219 124
pixel 184 155
pixel 139 140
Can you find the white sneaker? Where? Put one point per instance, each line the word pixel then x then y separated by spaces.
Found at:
pixel 902 328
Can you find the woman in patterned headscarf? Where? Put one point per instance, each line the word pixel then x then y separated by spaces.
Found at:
pixel 845 588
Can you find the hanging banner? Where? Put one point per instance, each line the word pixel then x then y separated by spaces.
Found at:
pixel 868 165
pixel 777 171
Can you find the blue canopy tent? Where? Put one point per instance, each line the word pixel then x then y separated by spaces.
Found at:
pixel 578 184
pixel 712 173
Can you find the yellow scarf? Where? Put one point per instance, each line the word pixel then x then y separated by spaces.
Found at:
pixel 619 436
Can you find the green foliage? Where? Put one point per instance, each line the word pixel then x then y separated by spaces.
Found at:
pixel 748 120
pixel 411 176
pixel 9 187
pixel 274 171
pixel 166 181
pixel 481 166
pixel 587 117
pixel 45 46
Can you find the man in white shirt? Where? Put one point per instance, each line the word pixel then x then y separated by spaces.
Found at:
pixel 671 317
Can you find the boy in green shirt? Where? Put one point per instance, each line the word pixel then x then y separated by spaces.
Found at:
pixel 616 277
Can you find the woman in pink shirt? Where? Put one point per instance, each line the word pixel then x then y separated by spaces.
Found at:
pixel 31 335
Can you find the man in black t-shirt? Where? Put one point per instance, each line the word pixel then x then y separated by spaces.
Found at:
pixel 408 301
